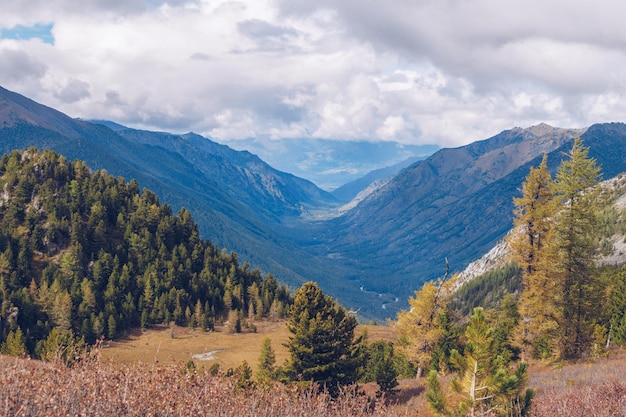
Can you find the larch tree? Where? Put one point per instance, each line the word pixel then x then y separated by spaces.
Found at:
pixel 322 346
pixel 557 247
pixel 419 328
pixel 533 211
pixel 534 222
pixel 574 250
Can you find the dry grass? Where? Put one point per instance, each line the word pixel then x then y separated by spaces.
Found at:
pixel 125 379
pixel 595 389
pixel 157 345
pixel 30 388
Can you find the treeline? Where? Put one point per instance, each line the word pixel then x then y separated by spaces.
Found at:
pixel 85 255
pixel 487 290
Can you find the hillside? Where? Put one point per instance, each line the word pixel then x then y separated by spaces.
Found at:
pixel 613 218
pixel 238 202
pixel 91 255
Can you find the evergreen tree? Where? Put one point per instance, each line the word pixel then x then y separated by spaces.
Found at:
pixel 617 309
pixel 15 344
pixel 485 383
pixel 322 345
pixel 267 362
pixel 380 367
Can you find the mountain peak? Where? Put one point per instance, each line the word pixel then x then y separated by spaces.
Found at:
pixel 544 129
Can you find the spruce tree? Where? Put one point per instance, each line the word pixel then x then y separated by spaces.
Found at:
pixel 322 345
pixel 380 367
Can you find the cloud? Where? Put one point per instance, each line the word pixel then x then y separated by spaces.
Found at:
pixel 73 91
pixel 446 72
pixel 18 67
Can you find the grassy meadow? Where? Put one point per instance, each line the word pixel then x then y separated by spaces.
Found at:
pixel 170 346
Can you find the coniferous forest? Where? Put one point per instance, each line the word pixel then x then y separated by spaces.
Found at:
pixel 85 255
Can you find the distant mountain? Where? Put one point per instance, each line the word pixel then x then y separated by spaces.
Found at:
pixel 240 173
pixel 330 163
pixel 239 202
pixel 349 191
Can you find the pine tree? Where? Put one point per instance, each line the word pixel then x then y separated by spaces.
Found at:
pixel 485 384
pixel 322 344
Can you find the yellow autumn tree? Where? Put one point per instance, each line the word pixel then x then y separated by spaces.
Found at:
pixel 419 329
pixel 534 221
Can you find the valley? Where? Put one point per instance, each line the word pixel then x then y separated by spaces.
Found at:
pixel 456 204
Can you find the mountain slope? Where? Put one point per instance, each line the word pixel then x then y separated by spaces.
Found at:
pixel 222 218
pixel 227 192
pixel 240 173
pixel 349 191
pixel 455 204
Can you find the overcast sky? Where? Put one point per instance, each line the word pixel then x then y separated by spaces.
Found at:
pixel 415 71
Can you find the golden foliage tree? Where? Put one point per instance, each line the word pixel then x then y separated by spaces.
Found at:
pixel 574 249
pixel 556 247
pixel 419 328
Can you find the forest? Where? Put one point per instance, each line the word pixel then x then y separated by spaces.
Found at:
pixel 86 255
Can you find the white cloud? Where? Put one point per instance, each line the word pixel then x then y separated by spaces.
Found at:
pixel 448 71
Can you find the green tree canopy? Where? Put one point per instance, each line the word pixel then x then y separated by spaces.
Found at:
pixel 322 345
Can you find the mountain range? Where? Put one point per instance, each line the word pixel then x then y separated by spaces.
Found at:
pixel 331 164
pixel 456 204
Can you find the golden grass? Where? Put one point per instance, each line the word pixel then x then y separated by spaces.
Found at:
pixel 157 345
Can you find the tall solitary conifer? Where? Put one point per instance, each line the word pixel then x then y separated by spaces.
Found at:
pixel 322 344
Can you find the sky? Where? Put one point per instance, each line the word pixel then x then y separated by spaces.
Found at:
pixel 445 72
